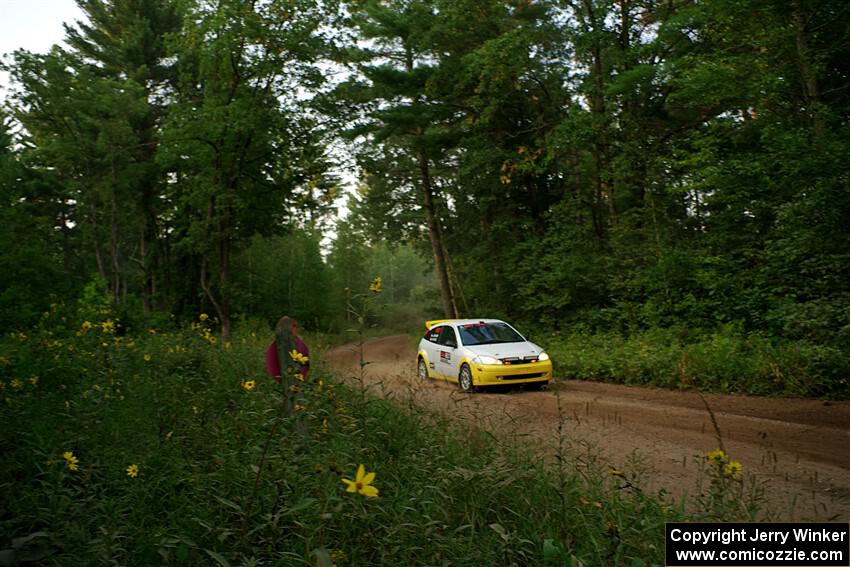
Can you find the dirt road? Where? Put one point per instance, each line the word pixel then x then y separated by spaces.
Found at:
pixel 799 450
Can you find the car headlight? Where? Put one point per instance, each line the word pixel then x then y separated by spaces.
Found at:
pixel 484 359
pixel 542 356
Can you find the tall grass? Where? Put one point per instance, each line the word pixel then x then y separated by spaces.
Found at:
pixel 723 361
pixel 226 477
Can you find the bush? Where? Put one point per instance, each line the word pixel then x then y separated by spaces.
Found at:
pixel 723 361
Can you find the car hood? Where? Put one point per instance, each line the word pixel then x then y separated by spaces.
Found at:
pixel 507 350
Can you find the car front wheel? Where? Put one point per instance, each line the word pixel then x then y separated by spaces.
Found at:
pixel 464 380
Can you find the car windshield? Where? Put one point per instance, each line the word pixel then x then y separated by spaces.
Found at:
pixel 488 334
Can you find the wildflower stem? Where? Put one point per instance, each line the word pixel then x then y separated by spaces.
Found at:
pixel 249 508
pixel 283 336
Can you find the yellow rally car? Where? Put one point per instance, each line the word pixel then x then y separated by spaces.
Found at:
pixel 480 352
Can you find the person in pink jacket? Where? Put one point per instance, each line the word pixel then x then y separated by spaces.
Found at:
pixel 299 346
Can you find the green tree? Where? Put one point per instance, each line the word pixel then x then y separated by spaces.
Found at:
pixel 126 41
pixel 90 115
pixel 284 275
pixel 31 264
pixel 237 143
pixel 408 130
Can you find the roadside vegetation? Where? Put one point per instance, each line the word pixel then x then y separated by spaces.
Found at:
pixel 168 446
pixel 727 360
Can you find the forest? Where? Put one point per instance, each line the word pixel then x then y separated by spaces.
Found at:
pixel 658 187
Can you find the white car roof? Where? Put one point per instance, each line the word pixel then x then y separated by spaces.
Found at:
pixel 461 322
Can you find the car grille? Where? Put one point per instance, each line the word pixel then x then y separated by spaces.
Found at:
pixel 519 360
pixel 522 376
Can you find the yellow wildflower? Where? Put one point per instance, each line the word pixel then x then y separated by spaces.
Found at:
pixel 298 407
pixel 203 317
pixel 147 358
pixel 248 385
pixel 195 410
pixel 717 457
pixel 375 286
pixel 34 380
pixel 133 471
pixel 71 460
pixel 108 326
pixel 298 357
pixel 152 331
pixel 16 383
pixel 362 483
pixel 733 469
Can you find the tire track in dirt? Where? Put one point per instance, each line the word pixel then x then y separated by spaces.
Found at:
pixel 797 450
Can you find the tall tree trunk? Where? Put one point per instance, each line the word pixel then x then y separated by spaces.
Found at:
pixel 219 302
pixel 604 190
pixel 449 309
pixel 148 244
pixel 146 288
pixel 115 252
pixel 98 255
pixel 224 250
pixel 811 86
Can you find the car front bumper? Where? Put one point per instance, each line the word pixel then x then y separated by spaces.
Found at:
pixel 492 374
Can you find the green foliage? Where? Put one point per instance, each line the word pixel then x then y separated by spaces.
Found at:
pixel 723 361
pixel 31 266
pixel 284 275
pixel 84 408
pixel 409 293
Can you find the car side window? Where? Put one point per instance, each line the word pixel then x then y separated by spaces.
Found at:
pixel 448 337
pixel 434 334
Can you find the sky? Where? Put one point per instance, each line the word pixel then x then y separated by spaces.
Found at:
pixel 34 25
